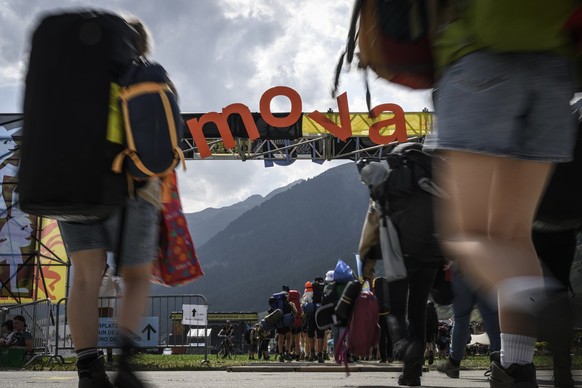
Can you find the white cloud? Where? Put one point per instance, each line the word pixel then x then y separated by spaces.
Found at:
pixel 223 52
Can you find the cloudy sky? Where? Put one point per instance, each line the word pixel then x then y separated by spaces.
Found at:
pixel 220 52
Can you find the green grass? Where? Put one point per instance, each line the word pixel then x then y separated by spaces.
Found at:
pixel 145 362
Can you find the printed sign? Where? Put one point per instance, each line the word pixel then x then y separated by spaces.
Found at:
pixel 146 336
pixel 194 314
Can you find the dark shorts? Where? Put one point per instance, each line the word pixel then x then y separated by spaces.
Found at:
pixel 140 236
pixel 283 330
pixel 312 329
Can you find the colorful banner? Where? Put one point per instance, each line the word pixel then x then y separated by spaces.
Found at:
pixel 417 123
pixel 51 274
pixel 33 261
pixel 17 229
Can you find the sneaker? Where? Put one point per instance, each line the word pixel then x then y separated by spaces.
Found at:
pixel 93 375
pixel 493 357
pixel 447 367
pixel 409 381
pixel 522 376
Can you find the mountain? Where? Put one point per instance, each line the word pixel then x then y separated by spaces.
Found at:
pixel 290 237
pixel 207 223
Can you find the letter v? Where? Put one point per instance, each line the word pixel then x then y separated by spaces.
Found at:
pixel 343 131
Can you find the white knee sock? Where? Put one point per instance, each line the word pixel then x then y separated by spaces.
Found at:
pixel 516 349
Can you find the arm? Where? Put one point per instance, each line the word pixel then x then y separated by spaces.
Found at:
pixel 28 344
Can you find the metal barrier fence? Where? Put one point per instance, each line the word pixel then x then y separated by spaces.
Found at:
pixel 163 321
pixel 39 318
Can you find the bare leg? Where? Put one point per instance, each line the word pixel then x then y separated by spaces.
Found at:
pixel 137 288
pixel 82 312
pixel 487 222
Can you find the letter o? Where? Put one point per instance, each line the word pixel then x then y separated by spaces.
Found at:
pixel 296 106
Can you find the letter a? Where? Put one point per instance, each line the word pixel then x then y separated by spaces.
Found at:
pixel 398 121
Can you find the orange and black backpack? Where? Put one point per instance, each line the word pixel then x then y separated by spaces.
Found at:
pixel 393 38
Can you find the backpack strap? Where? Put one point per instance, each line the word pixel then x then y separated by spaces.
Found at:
pixel 348 53
pixel 125 95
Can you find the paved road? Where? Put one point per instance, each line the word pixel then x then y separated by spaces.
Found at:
pixel 256 377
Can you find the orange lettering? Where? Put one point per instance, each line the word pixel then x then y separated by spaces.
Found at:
pixel 343 131
pixel 220 119
pixel 296 106
pixel 398 121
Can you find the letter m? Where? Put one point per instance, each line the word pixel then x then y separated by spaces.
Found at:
pixel 221 120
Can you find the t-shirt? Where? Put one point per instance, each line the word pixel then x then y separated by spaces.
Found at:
pixel 227 330
pixel 20 338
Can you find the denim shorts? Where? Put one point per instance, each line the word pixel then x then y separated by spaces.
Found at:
pixel 514 105
pixel 140 236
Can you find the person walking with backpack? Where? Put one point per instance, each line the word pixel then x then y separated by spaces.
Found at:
pixel 410 207
pixel 502 102
pixel 87 244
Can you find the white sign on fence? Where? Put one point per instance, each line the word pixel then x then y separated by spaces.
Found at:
pixel 194 314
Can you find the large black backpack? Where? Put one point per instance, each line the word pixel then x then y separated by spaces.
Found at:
pixel 65 171
pixel 409 194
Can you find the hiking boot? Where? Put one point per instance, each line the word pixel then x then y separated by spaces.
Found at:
pixel 320 358
pixel 413 358
pixel 281 357
pixel 449 368
pixel 515 376
pixel 493 357
pixel 412 381
pixel 93 375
